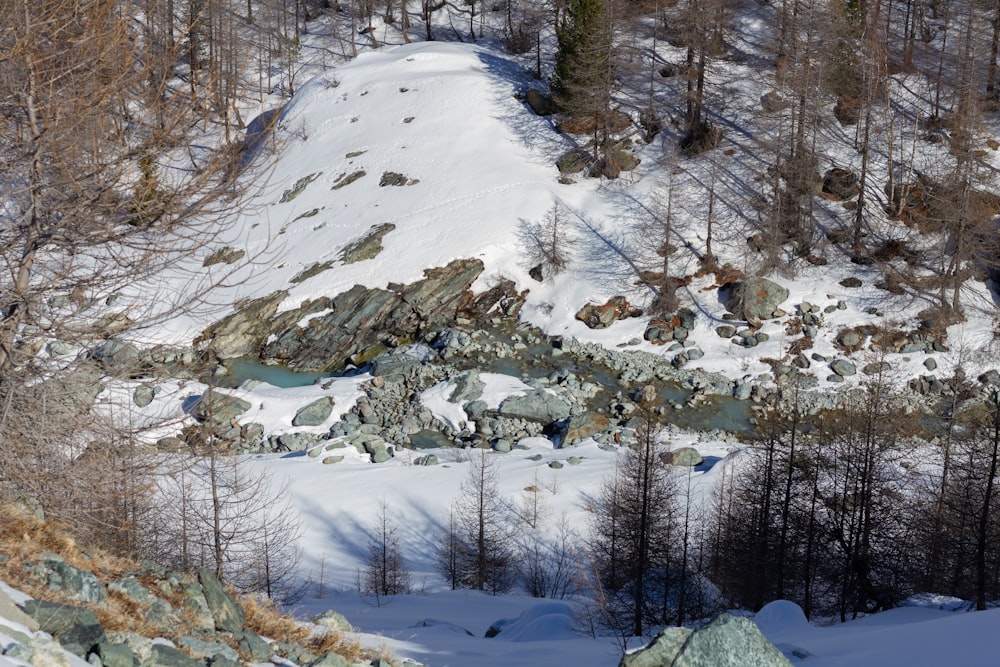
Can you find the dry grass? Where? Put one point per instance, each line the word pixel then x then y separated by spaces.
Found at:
pixel 267 620
pixel 24 538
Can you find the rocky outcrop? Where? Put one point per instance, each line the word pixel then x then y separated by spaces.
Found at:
pixel 728 641
pixel 185 622
pixel 241 334
pixel 363 317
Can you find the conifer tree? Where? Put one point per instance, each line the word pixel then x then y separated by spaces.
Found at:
pixel 584 71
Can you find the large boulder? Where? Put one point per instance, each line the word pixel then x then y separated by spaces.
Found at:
pixel 686 457
pixel 163 655
pixel 468 387
pixel 76 584
pixel 315 413
pixel 661 651
pixel 216 408
pixel 756 299
pixel 601 316
pixel 76 628
pixel 538 406
pixel 728 641
pixel 228 613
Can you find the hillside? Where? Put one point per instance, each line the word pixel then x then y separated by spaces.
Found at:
pixel 766 266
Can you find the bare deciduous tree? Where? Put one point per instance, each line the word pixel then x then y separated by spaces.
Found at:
pixel 385 572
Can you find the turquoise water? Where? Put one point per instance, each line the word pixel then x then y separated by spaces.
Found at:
pixel 247 368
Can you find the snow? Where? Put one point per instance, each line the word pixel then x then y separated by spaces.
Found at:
pixel 912 636
pixel 478 164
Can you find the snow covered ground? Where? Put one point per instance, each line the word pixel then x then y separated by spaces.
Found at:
pixel 476 164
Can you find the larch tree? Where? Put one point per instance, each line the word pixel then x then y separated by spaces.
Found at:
pixel 632 533
pixel 385 570
pixel 477 548
pixel 104 185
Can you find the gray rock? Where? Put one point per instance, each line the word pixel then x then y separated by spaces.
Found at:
pixel 242 333
pixel 468 387
pixel 295 442
pixel 330 660
pixel 199 648
pixel 555 465
pixel 115 655
pixel 660 652
pixel 729 641
pixel 694 354
pixel 685 456
pixel 843 368
pixel 162 655
pixel 315 413
pixel 378 450
pixel 930 364
pixel 216 408
pixel 76 628
pixel 538 406
pixel 141 647
pixel 367 247
pixel 118 353
pixel 476 409
pixel 332 619
pixel 76 584
pixel 429 460
pixel 227 613
pixel 876 367
pixel 725 331
pixel 406 360
pixel 755 298
pixel 503 446
pixel 143 395
pixel 330 460
pixel 197 607
pixel 833 377
pixel 742 391
pixel 254 646
pixel 990 377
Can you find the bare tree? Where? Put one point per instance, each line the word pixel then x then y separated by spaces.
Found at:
pixel 632 530
pixel 476 549
pixel 105 183
pixel 385 572
pixel 548 244
pixel 226 517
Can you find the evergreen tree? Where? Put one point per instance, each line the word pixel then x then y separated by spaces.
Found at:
pixel 584 72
